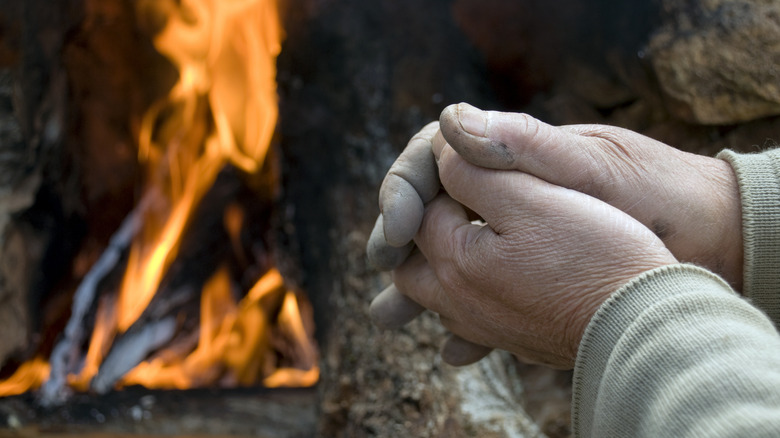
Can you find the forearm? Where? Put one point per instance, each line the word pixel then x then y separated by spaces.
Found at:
pixel 677 353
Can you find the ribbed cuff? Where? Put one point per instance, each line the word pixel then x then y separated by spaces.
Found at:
pixel 614 318
pixel 758 176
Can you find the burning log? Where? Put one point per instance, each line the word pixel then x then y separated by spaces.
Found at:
pixel 65 357
pixel 131 349
pixel 175 306
pixel 174 310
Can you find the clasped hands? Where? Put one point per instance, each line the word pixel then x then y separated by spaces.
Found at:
pixel 567 215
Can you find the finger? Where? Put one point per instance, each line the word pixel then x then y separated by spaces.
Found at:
pixel 498 140
pixel 496 196
pixel 457 351
pixel 451 243
pixel 391 309
pixel 416 280
pixel 382 255
pixel 411 181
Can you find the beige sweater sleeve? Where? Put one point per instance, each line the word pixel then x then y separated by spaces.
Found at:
pixel 677 353
pixel 759 186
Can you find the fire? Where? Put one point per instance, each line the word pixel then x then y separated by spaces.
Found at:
pixel 29 375
pixel 234 336
pixel 225 51
pixel 289 319
pixel 223 109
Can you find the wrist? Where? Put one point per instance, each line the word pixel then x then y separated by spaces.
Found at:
pixel 730 243
pixel 710 228
pixel 614 281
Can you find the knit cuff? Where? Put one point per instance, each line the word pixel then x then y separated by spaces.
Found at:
pixel 614 318
pixel 758 176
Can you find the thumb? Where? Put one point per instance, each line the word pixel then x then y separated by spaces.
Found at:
pixel 513 141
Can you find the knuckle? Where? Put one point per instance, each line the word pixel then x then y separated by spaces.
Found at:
pixel 395 188
pixel 459 268
pixel 395 185
pixel 430 128
pixel 450 169
pixel 402 279
pixel 528 124
pixel 415 169
pixel 449 276
pixel 423 138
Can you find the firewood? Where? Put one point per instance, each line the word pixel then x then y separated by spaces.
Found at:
pixel 67 354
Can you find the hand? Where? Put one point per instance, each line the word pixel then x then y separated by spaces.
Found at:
pixel 690 201
pixel 531 279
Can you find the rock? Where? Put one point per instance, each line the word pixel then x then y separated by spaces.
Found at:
pixel 716 60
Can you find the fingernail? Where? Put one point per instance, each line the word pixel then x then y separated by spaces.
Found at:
pixel 472 119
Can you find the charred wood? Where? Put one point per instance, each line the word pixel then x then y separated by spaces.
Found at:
pixel 255 412
pixel 175 308
pixel 131 349
pixel 67 354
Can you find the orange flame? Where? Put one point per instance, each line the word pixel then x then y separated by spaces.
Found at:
pixel 223 109
pixel 233 338
pixel 290 320
pixel 225 51
pixel 30 374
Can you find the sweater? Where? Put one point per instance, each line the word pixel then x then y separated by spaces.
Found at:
pixel 677 353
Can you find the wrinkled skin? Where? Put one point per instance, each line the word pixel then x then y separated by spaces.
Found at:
pixel 543 192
